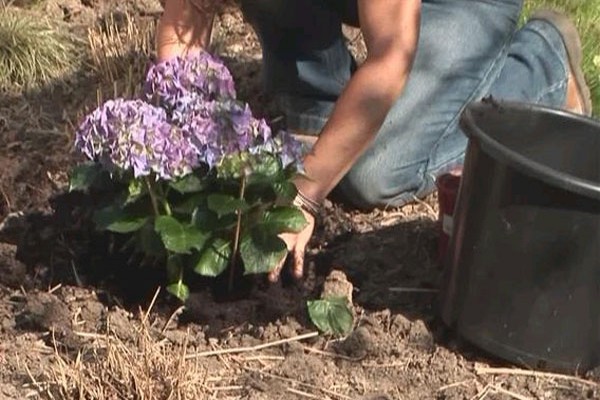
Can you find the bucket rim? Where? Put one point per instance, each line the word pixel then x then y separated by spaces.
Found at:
pixel 527 166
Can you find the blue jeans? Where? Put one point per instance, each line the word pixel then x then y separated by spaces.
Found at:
pixel 468 49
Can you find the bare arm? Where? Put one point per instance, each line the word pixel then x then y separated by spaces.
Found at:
pixel 391 30
pixel 184 28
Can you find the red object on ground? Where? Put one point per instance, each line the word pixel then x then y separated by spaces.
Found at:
pixel 447 186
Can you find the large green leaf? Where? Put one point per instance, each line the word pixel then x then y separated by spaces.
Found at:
pixel 213 260
pixel 150 242
pixel 331 315
pixel 224 204
pixel 188 184
pixel 205 219
pixel 283 219
pixel 177 237
pixel 83 176
pixel 261 251
pixel 117 220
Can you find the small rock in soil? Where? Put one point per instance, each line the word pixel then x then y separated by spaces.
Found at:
pixel 287 331
pixel 400 324
pixel 358 345
pixel 44 312
pixel 120 324
pixel 293 348
pixel 420 336
pixel 13 273
pixel 12 228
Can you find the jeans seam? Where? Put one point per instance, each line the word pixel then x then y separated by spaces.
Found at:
pixel 476 91
pixel 551 89
pixel 558 54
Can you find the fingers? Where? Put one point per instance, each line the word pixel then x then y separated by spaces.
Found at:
pixel 276 272
pixel 297 267
pixel 298 263
pixel 296 244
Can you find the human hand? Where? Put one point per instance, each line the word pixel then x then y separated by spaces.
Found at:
pixel 296 245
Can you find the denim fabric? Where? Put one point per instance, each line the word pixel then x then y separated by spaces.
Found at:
pixel 467 50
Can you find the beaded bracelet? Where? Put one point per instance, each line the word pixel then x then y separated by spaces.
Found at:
pixel 308 205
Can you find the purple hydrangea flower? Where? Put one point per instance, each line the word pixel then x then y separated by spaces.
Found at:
pixel 290 150
pixel 219 128
pixel 203 75
pixel 200 122
pixel 134 135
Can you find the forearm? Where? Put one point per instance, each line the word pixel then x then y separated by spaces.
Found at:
pixel 184 28
pixel 358 115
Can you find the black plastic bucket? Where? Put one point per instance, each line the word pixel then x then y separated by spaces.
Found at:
pixel 522 274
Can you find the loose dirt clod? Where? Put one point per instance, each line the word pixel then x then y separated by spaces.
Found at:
pixel 359 344
pixel 337 285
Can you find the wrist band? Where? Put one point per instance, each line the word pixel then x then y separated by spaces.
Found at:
pixel 308 205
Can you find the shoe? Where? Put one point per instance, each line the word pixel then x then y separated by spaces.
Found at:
pixel 579 98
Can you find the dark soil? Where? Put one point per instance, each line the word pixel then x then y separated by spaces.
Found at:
pixel 63 285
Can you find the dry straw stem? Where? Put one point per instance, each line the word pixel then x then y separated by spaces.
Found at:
pixel 535 374
pixel 33 50
pixel 121 47
pixel 238 350
pixel 113 369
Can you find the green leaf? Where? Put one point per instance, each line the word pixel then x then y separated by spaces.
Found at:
pixel 331 315
pixel 179 290
pixel 188 184
pixel 118 220
pixel 177 237
pixel 205 219
pixel 224 204
pixel 261 251
pixel 214 258
pixel 269 166
pixel 285 190
pixel 150 242
pixel 284 219
pixel 83 176
pixel 135 190
pixel 189 204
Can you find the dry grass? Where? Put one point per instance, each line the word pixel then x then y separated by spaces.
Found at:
pixel 120 50
pixel 33 51
pixel 113 369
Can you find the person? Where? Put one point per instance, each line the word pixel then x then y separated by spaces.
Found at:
pixel 387 128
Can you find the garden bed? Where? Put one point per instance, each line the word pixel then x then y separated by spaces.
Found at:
pixel 78 321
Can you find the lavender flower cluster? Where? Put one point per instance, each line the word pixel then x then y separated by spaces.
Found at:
pixel 203 75
pixel 197 121
pixel 132 134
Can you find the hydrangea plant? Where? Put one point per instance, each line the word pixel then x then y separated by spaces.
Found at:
pixel 197 179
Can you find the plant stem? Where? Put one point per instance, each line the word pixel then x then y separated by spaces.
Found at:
pixel 165 202
pixel 167 207
pixel 153 198
pixel 236 238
